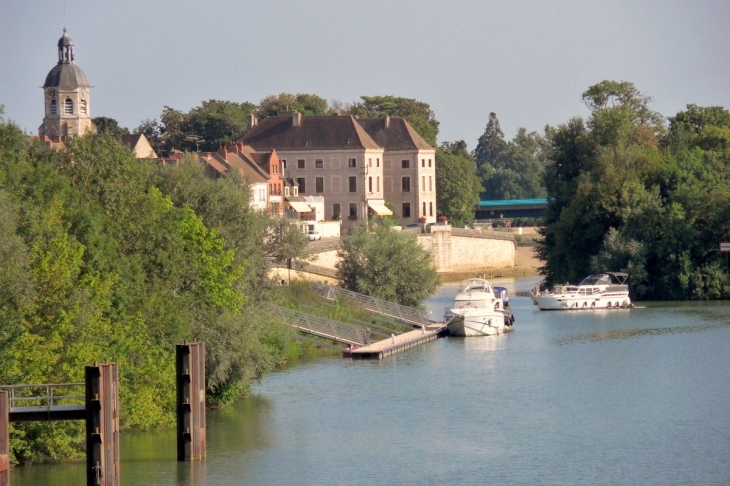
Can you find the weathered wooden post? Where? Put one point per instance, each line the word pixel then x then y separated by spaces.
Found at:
pixel 102 425
pixel 4 439
pixel 190 367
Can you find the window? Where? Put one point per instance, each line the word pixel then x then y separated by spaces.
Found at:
pixel 377 162
pixel 273 169
pixel 377 180
pixel 406 184
pixel 351 163
pixel 429 162
pixel 370 162
pixel 319 185
pixel 430 186
pixel 404 164
pixel 301 184
pixel 370 184
pixel 296 190
pixel 286 191
pixel 423 162
pixel 69 106
pixel 423 183
pixel 353 210
pixel 423 213
pixel 308 143
pixel 83 107
pixel 335 211
pixel 283 164
pixel 319 163
pixel 406 210
pixel 353 184
pixel 54 110
pixel 430 209
pixel 300 164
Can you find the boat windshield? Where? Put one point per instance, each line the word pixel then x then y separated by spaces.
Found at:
pixel 469 304
pixel 596 280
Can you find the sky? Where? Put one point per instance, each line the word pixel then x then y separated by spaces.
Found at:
pixel 527 61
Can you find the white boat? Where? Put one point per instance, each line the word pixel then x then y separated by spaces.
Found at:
pixel 477 311
pixel 601 291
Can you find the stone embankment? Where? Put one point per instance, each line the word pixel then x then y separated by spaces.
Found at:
pixel 490 254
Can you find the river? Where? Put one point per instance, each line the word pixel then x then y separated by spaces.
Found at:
pixel 637 396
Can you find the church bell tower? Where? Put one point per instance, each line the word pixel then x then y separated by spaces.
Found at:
pixel 67 96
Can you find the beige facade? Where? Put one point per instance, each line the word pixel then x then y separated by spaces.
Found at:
pixel 410 184
pixel 346 180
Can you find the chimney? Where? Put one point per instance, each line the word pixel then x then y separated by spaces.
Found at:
pixel 387 121
pixel 252 120
pixel 296 118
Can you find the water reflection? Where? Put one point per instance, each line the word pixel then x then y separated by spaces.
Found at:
pixel 715 321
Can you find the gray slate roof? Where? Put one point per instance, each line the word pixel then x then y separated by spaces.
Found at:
pixel 322 133
pixel 399 135
pixel 66 75
pixel 334 132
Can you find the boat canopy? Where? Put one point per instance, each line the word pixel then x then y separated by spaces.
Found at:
pixel 604 278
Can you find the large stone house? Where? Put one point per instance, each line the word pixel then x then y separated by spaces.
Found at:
pixel 356 165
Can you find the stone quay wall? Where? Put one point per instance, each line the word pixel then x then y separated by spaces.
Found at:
pixel 453 249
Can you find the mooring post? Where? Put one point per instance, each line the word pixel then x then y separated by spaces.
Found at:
pixel 4 439
pixel 102 425
pixel 190 372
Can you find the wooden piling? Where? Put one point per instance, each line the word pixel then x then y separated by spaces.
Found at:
pixel 190 376
pixel 4 439
pixel 102 425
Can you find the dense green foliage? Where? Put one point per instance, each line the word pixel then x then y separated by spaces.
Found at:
pixel 626 194
pixel 386 264
pixel 457 184
pixel 106 257
pixel 204 127
pixel 109 126
pixel 510 170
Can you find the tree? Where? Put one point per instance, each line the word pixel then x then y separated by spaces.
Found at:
pixel 518 172
pixel 457 184
pixel 624 194
pixel 490 145
pixel 417 113
pixel 386 264
pixel 306 104
pixel 109 126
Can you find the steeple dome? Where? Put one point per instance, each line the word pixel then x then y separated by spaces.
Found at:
pixel 66 92
pixel 65 48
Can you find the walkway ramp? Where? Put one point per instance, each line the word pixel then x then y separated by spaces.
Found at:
pixel 57 401
pixel 399 343
pixel 327 328
pixel 408 315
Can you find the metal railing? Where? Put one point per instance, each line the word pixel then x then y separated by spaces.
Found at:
pixel 378 306
pixel 46 397
pixel 326 328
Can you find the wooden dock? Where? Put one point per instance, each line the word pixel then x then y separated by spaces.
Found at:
pixel 398 343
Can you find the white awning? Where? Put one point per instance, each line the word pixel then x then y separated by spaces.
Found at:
pixel 380 209
pixel 300 207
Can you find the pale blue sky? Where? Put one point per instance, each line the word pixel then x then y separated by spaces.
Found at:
pixel 528 61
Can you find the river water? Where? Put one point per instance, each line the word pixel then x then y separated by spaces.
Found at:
pixel 637 396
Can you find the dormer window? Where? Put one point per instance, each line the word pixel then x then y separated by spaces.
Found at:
pixel 286 191
pixel 308 143
pixel 296 190
pixel 69 106
pixel 54 107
